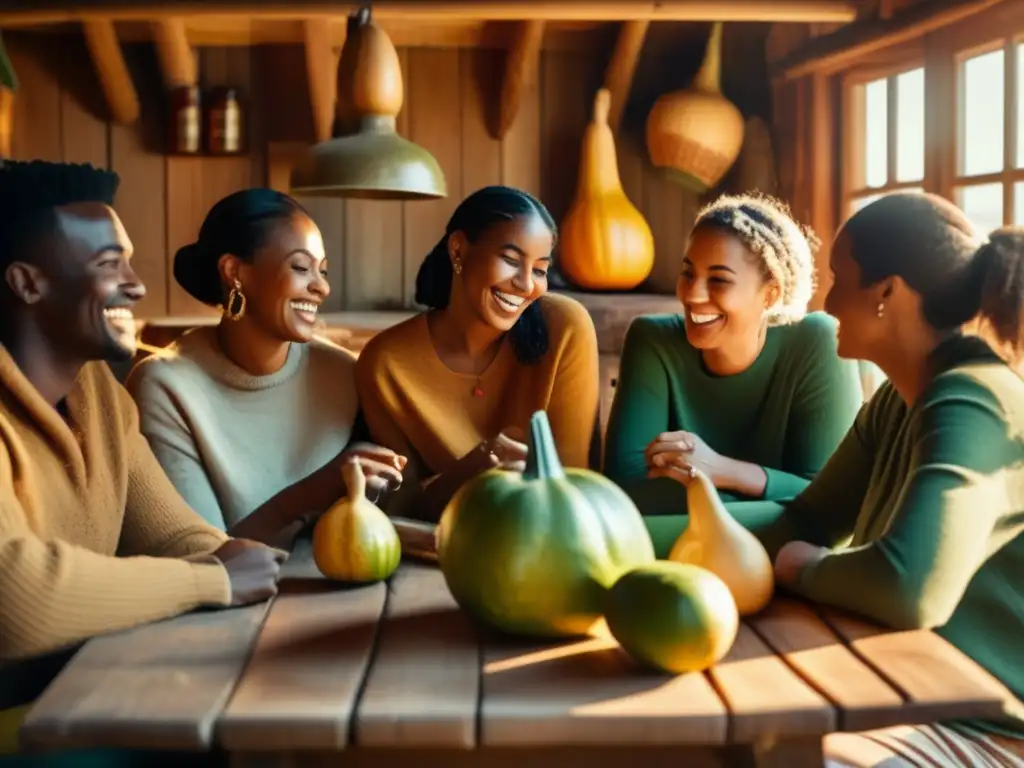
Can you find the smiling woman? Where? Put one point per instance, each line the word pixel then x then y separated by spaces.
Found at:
pixel 744 384
pixel 454 388
pixel 253 418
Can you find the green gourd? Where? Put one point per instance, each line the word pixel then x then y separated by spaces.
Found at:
pixel 534 553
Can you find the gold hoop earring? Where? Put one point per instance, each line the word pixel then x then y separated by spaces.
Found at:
pixel 228 310
pixel 881 309
pixel 457 266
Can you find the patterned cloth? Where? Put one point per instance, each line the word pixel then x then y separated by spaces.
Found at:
pixel 923 746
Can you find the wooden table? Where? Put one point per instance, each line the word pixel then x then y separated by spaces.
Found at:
pixel 396 675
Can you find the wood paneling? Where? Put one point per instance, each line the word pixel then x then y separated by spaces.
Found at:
pixel 374 248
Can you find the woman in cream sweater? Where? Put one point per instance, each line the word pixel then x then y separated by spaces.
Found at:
pixel 252 418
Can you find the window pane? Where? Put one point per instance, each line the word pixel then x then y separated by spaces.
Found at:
pixel 876 121
pixel 983 204
pixel 1018 204
pixel 981 114
pixel 910 125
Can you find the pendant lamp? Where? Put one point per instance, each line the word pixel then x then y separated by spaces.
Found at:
pixel 368 159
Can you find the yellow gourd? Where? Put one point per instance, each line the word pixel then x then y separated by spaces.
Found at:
pixel 606 244
pixel 354 540
pixel 716 541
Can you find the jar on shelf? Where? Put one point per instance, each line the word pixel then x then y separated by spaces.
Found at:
pixel 184 129
pixel 223 122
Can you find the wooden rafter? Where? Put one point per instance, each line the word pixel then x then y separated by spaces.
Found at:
pixel 111 69
pixel 522 63
pixel 831 53
pixel 15 12
pixel 177 59
pixel 322 75
pixel 618 77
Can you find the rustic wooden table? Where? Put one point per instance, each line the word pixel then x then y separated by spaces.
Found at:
pixel 396 675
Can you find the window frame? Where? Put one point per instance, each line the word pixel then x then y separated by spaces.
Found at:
pixel 941 53
pixel 854 82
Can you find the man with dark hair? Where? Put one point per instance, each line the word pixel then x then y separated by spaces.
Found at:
pixel 93 536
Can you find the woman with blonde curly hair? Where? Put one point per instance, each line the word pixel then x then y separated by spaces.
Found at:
pixel 743 384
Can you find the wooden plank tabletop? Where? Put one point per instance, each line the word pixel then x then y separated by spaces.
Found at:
pixel 329 667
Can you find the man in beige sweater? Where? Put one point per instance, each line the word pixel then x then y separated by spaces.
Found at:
pixel 93 536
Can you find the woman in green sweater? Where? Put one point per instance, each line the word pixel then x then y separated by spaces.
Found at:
pixel 916 521
pixel 743 384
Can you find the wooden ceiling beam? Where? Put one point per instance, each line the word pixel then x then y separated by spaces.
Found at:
pixel 522 63
pixel 850 44
pixel 15 12
pixel 322 74
pixel 177 59
pixel 618 77
pixel 111 69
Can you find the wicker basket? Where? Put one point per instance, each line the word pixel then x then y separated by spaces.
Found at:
pixel 696 134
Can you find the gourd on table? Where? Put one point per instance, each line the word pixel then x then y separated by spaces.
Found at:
pixel 605 242
pixel 534 553
pixel 354 541
pixel 672 616
pixel 714 540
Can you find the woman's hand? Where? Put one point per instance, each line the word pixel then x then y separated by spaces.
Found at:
pixel 793 558
pixel 506 450
pixel 673 454
pixel 381 466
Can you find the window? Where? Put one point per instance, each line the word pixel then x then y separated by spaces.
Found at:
pixel 990 141
pixel 885 145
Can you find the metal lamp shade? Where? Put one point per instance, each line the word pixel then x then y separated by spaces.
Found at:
pixel 374 163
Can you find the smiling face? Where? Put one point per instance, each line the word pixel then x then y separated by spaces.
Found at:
pixel 286 282
pixel 80 286
pixel 723 290
pixel 504 270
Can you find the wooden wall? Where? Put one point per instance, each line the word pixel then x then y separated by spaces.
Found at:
pixel 374 248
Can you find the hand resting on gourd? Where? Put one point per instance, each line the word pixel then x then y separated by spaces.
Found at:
pixel 381 467
pixel 673 454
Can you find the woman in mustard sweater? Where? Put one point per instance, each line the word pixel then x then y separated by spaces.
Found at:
pixel 453 388
pixel 743 384
pixel 917 520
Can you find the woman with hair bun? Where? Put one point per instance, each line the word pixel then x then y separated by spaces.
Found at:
pixel 917 520
pixel 743 384
pixel 252 418
pixel 454 387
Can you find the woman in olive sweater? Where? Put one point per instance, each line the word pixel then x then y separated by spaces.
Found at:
pixel 916 520
pixel 743 384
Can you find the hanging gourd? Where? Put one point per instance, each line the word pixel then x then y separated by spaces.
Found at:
pixel 674 617
pixel 354 541
pixel 696 134
pixel 606 244
pixel 534 553
pixel 714 540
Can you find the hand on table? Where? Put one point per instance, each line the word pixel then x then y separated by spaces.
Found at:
pixel 674 454
pixel 793 558
pixel 253 569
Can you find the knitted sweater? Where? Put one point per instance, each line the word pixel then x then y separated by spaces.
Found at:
pixel 93 537
pixel 417 406
pixel 229 440
pixel 787 412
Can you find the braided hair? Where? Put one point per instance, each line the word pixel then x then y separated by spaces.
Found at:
pixel 785 249
pixel 474 216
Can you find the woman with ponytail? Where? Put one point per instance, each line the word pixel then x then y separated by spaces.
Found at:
pixel 917 519
pixel 453 388
pixel 252 418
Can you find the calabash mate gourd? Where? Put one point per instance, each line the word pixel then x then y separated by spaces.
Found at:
pixel 354 541
pixel 534 553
